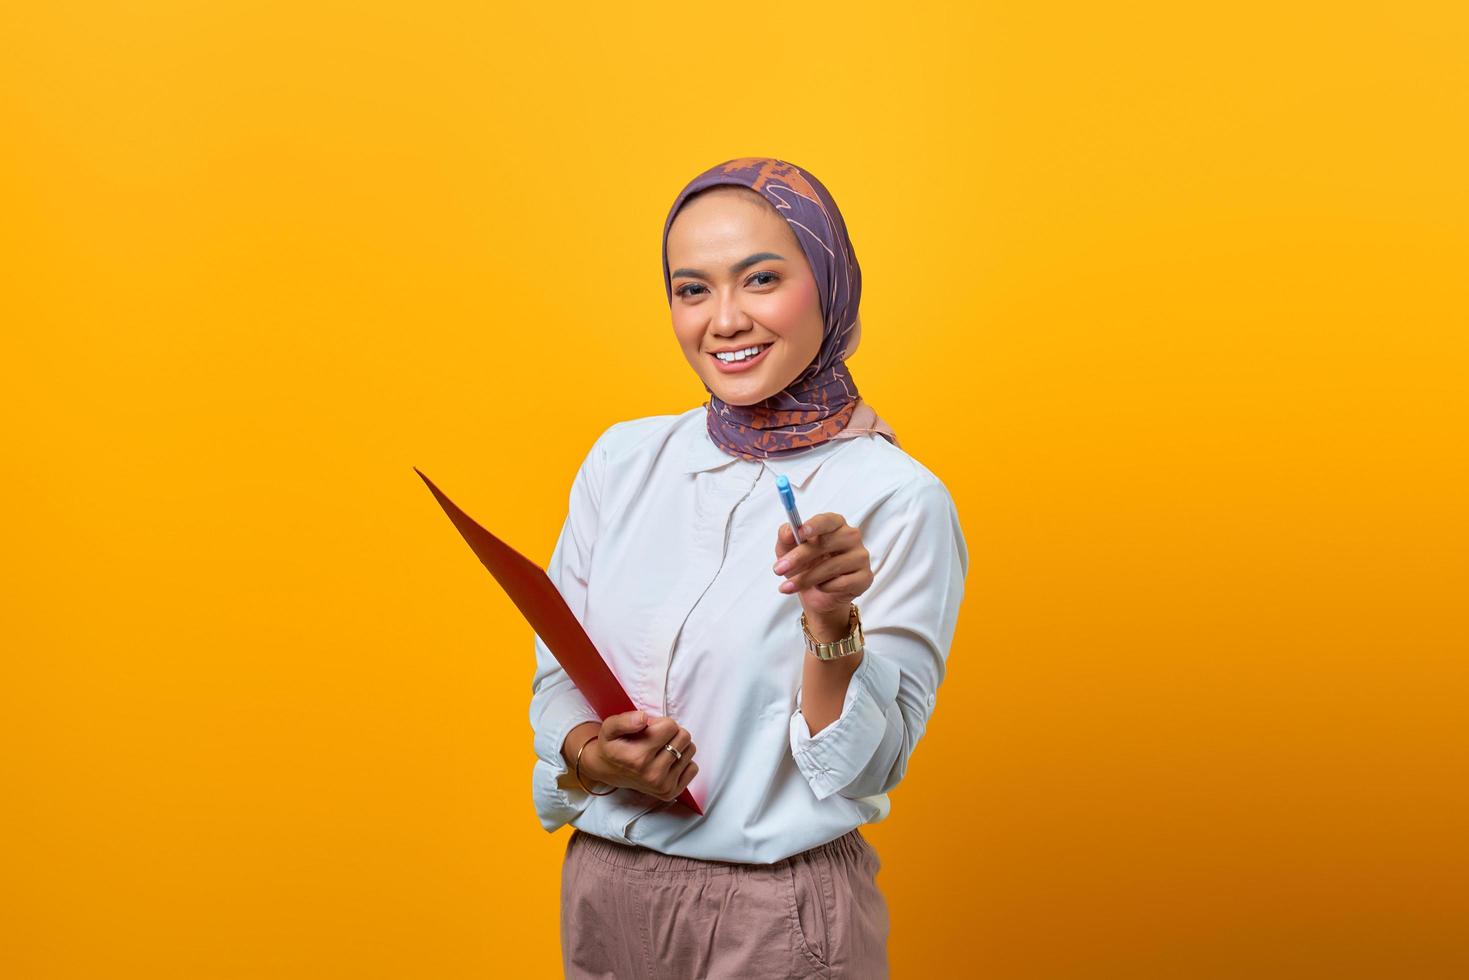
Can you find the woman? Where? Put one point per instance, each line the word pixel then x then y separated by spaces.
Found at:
pixel 739 645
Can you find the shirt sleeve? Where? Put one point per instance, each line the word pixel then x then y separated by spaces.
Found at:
pixel 919 564
pixel 556 705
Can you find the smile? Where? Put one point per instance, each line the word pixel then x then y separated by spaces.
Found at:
pixel 735 367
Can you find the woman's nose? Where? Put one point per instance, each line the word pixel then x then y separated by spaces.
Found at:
pixel 729 314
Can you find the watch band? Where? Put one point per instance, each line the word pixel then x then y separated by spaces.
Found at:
pixel 844 647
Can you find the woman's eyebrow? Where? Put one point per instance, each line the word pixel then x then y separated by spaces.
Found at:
pixel 734 270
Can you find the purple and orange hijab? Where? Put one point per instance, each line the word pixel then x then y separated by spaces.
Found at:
pixel 822 402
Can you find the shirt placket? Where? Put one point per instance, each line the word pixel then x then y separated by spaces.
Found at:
pixel 705 544
pixel 716 496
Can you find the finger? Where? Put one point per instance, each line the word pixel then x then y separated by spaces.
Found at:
pixel 676 779
pixel 686 777
pixel 822 524
pixel 828 568
pixel 813 549
pixel 785 540
pixel 682 741
pixel 687 753
pixel 658 734
pixel 800 556
pixel 616 726
pixel 676 770
pixel 665 759
pixel 853 583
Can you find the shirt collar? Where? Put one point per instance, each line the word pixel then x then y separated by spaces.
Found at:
pixel 704 455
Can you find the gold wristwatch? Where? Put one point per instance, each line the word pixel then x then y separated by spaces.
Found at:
pixel 845 647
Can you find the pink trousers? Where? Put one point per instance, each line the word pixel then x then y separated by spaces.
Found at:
pixel 630 912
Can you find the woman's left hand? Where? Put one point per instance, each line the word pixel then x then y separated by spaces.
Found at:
pixel 828 570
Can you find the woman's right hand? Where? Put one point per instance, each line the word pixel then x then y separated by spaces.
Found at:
pixel 629 752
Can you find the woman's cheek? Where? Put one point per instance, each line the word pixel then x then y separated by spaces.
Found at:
pixel 791 305
pixel 689 335
pixel 775 317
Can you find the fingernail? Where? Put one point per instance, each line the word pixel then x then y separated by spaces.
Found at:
pixel 788 586
pixel 781 566
pixel 805 530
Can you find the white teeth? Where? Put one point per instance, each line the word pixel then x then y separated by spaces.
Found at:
pixel 741 355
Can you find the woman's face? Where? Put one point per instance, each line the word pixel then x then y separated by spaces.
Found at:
pixel 740 280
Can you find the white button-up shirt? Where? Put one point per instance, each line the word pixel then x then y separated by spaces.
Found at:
pixel 665 558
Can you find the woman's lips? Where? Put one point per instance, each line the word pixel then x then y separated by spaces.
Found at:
pixel 735 367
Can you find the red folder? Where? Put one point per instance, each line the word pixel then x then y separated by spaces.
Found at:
pixel 540 602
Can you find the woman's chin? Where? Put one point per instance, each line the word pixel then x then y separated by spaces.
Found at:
pixel 740 394
pixel 764 381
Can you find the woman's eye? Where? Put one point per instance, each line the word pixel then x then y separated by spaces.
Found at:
pixel 686 290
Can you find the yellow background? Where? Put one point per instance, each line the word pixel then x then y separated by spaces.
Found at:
pixel 1172 297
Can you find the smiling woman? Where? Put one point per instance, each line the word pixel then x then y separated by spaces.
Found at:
pixel 806 715
pixel 729 299
pixel 756 252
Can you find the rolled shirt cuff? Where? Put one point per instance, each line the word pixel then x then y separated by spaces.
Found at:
pixel 835 756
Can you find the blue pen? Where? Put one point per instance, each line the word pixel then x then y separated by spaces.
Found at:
pixel 788 498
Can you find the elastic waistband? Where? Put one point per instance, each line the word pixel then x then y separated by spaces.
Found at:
pixel 634 857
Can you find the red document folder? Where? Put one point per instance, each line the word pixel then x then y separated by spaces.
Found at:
pixel 540 602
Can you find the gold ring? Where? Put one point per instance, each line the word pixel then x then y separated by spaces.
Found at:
pixel 676 753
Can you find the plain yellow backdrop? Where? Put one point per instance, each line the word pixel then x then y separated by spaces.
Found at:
pixel 1171 296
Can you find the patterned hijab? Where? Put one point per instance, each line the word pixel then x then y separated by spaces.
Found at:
pixel 822 402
